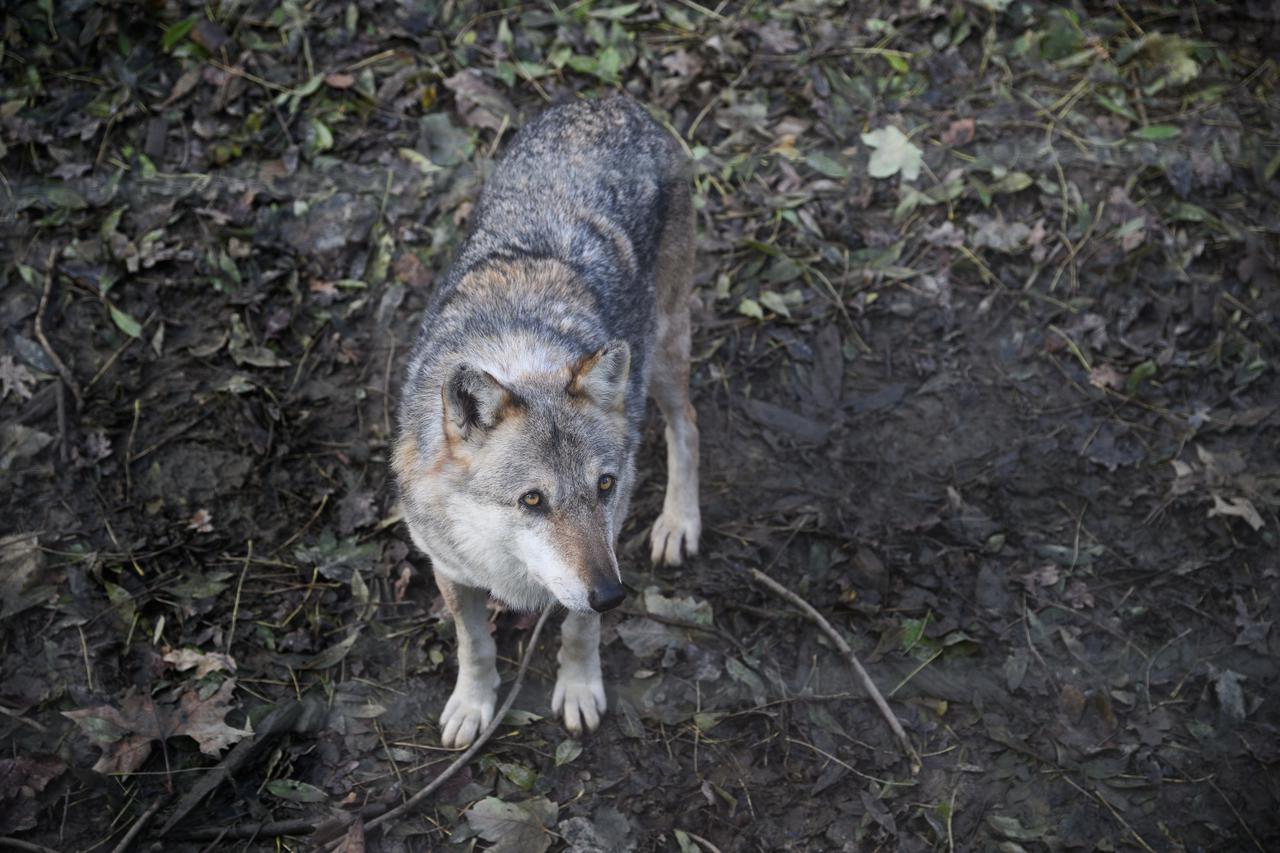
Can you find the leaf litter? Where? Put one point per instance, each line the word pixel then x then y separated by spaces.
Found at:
pixel 984 365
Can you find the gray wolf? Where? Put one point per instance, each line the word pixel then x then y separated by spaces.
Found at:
pixel 520 416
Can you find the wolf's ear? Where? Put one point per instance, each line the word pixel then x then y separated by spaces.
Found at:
pixel 602 376
pixel 474 402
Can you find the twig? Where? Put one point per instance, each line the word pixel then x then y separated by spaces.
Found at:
pixel 704 842
pixel 1136 837
pixel 1239 817
pixel 18 718
pixel 127 841
pixel 867 684
pixel 295 826
pixel 461 761
pixel 324 501
pixel 235 610
pixel 847 766
pixel 63 371
pixel 304 826
pixel 19 844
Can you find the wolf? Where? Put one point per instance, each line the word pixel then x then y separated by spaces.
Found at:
pixel 565 307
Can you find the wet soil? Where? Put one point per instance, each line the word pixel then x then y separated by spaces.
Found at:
pixel 1011 425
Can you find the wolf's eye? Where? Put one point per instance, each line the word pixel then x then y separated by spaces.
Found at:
pixel 532 499
pixel 605 483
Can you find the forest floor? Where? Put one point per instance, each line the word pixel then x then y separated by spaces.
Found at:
pixel 986 369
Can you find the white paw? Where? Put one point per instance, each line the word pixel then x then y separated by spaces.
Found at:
pixel 467 712
pixel 675 535
pixel 581 696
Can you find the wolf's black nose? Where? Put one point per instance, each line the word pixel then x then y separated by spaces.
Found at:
pixel 606 596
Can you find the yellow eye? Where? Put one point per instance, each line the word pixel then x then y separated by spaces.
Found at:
pixel 606 482
pixel 531 499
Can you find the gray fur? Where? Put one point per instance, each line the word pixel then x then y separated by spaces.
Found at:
pixel 522 403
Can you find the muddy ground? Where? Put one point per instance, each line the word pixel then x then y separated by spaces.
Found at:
pixel 986 344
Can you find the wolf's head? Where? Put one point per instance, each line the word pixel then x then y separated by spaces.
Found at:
pixel 531 480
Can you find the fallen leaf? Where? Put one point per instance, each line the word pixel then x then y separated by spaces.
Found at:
pixel 201 521
pixel 480 104
pixel 682 63
pixel 353 841
pixel 893 153
pixel 15 378
pixel 1227 687
pixel 567 750
pixel 126 732
pixel 1106 376
pixel 21 779
pixel 210 35
pixel 20 560
pixel 959 133
pixel 202 662
pixel 686 609
pixel 945 235
pixel 514 827
pixel 295 791
pixel 993 233
pixel 644 637
pixel 1237 507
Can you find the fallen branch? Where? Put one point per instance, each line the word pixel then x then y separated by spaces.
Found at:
pixel 867 684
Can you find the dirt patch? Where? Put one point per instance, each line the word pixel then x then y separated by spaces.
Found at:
pixel 985 369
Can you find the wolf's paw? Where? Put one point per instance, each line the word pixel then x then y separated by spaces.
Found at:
pixel 675 535
pixel 581 696
pixel 467 712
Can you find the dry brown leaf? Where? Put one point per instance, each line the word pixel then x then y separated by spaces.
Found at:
pixel 21 779
pixel 353 841
pixel 126 732
pixel 202 719
pixel 1106 376
pixel 16 378
pixel 203 663
pixel 959 133
pixel 480 104
pixel 1239 507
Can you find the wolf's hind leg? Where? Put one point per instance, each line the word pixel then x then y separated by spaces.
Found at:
pixel 579 691
pixel 475 694
pixel 676 531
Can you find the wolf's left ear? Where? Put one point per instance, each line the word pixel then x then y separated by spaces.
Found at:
pixel 602 376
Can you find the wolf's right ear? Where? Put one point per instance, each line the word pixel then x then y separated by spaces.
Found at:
pixel 474 402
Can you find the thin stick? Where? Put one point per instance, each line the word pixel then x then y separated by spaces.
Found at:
pixel 127 841
pixel 18 718
pixel 1136 837
pixel 235 610
pixel 461 761
pixel 1234 811
pixel 19 844
pixel 704 842
pixel 63 371
pixel 867 684
pixel 304 826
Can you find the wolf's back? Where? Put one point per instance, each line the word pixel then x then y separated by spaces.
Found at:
pixel 573 175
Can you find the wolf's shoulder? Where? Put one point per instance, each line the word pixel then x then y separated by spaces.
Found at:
pixel 613 130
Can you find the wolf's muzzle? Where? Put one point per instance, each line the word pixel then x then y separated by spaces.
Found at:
pixel 606 595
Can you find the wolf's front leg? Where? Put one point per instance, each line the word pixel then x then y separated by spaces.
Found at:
pixel 470 708
pixel 579 686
